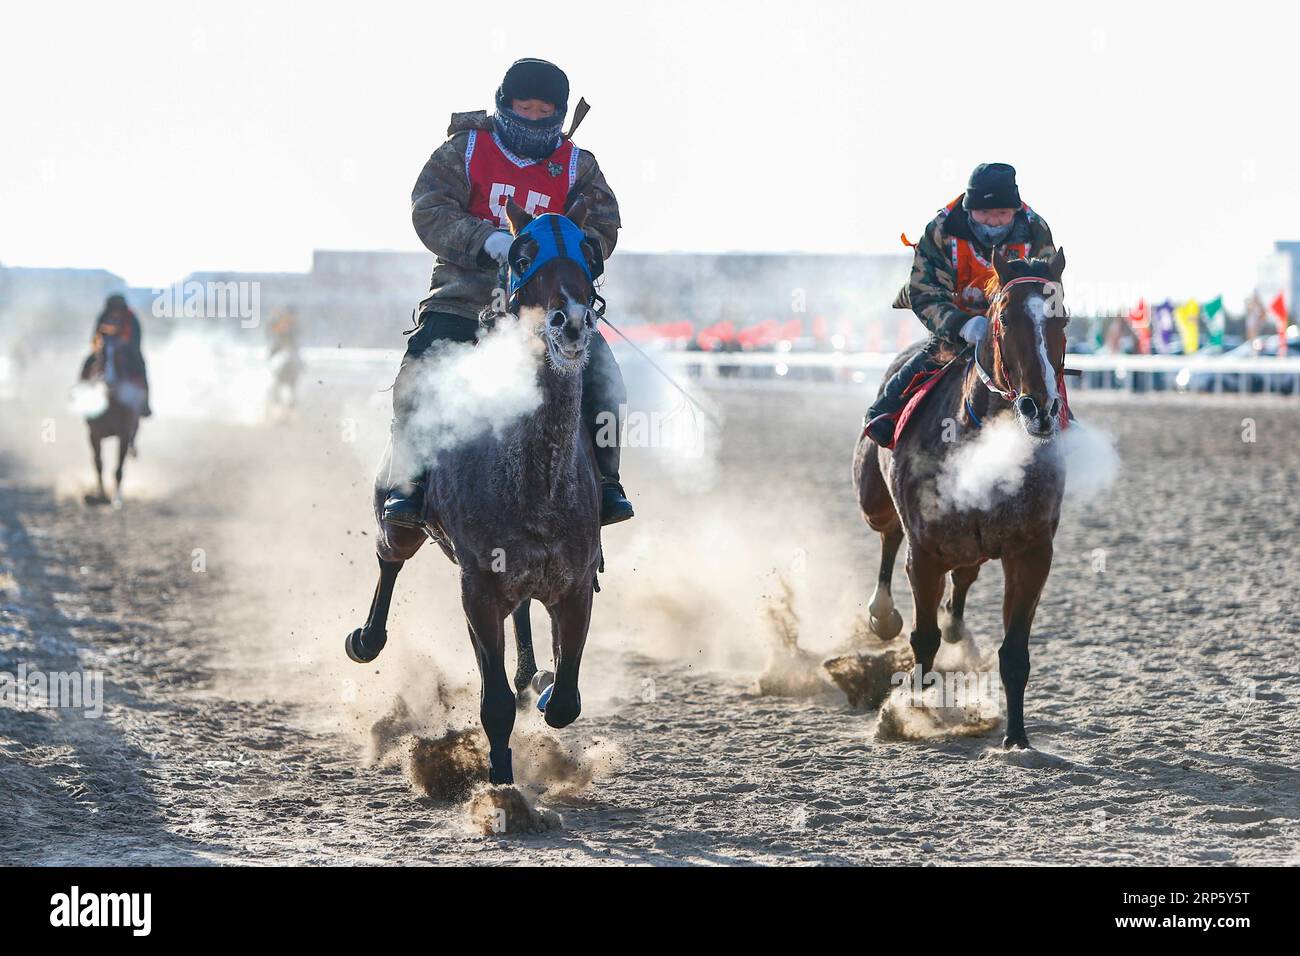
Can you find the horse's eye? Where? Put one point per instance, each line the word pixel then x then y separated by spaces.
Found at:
pixel 521 264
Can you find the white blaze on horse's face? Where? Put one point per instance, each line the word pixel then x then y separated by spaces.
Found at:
pixel 1037 306
pixel 1038 417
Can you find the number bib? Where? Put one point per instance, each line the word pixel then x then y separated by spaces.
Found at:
pixel 497 175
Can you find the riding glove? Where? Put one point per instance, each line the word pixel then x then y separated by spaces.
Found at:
pixel 974 328
pixel 498 246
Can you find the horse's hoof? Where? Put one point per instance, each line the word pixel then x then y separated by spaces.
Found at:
pixel 1017 741
pixel 96 499
pixel 542 680
pixel 561 713
pixel 886 629
pixel 955 633
pixel 500 767
pixel 359 650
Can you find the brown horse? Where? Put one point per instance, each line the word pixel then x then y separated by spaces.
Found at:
pixel 108 368
pixel 1015 370
pixel 518 509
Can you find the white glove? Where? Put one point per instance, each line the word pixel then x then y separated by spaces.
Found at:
pixel 498 246
pixel 974 329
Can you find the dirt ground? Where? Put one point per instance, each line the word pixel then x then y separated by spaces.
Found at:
pixel 1164 701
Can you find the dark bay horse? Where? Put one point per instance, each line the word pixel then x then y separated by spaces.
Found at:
pixel 518 509
pixel 1016 369
pixel 108 368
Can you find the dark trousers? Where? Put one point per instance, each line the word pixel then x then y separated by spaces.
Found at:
pixel 603 391
pixel 890 401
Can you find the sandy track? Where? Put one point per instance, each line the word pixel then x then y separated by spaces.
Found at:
pixel 235 731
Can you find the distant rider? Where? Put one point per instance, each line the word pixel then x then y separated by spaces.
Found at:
pixel 953 263
pixel 117 323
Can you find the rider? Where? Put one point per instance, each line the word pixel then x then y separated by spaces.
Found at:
pixel 953 262
pixel 459 211
pixel 119 323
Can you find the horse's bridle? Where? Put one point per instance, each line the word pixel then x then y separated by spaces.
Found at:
pixel 995 329
pixel 558 237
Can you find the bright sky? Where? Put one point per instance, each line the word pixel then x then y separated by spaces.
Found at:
pixel 154 139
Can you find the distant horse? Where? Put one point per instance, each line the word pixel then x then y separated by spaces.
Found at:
pixel 1016 369
pixel 118 413
pixel 519 508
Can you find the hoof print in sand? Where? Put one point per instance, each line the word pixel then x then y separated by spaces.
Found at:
pixel 502 810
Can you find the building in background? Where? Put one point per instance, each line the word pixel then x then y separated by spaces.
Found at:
pixel 359 298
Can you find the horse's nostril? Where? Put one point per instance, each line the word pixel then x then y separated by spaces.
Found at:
pixel 1027 407
pixel 557 319
pixel 1055 409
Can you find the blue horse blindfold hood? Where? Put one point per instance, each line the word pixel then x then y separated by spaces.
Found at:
pixel 557 237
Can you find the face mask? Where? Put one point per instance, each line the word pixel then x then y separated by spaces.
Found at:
pixel 531 139
pixel 991 235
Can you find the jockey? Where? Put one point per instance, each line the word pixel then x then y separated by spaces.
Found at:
pixel 953 262
pixel 119 323
pixel 458 208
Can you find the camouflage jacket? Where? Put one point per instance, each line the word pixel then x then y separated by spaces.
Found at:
pixel 931 293
pixel 463 277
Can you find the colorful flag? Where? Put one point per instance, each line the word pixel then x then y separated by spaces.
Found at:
pixel 1188 317
pixel 1214 318
pixel 1278 308
pixel 1164 323
pixel 1140 318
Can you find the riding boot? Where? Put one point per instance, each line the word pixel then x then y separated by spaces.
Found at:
pixel 879 423
pixel 604 396
pixel 406 472
pixel 404 505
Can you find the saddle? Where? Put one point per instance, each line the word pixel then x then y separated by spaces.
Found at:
pixel 921 385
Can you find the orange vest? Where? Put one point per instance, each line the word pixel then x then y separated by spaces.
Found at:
pixel 972 271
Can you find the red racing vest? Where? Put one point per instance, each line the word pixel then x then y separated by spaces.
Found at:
pixel 497 175
pixel 972 271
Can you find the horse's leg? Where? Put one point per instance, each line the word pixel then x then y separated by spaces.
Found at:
pixel 123 446
pixel 487 631
pixel 97 448
pixel 927 576
pixel 570 620
pixel 878 508
pixel 884 619
pixel 1026 573
pixel 364 644
pixel 962 579
pixel 525 662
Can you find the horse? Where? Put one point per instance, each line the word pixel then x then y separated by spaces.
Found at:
pixel 118 414
pixel 1017 368
pixel 518 509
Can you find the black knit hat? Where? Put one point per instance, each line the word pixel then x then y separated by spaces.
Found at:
pixel 992 186
pixel 531 79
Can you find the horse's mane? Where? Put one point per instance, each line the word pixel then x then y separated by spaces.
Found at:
pixel 1032 267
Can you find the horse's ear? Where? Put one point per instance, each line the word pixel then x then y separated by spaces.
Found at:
pixel 1000 264
pixel 518 218
pixel 1056 265
pixel 578 212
